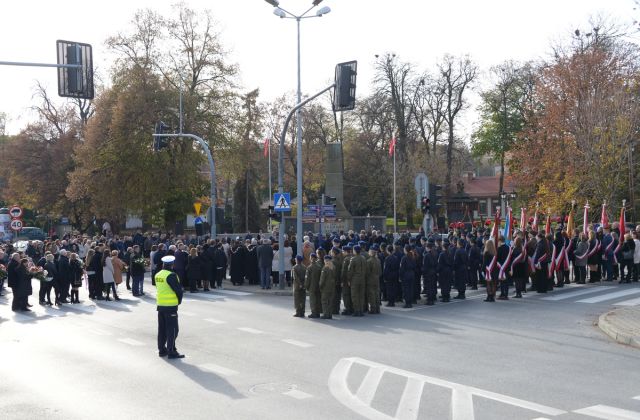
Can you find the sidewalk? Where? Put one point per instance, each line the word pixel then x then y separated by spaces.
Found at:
pixel 623 325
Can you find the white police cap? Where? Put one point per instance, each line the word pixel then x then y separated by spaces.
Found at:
pixel 168 259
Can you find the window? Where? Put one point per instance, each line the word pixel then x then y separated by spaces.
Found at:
pixel 482 207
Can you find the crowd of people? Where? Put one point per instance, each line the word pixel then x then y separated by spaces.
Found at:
pixel 344 273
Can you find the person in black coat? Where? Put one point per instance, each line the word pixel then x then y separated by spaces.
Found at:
pixel 238 263
pixel 22 289
pixel 559 243
pixel 252 273
pixel 429 272
pixel 77 272
pixel 195 270
pixel 220 262
pixel 157 262
pixel 626 258
pixel 518 270
pixel 460 267
pixel 391 273
pixel 541 262
pixel 445 271
pixel 51 279
pixel 180 265
pixel 95 266
pixel 209 257
pixel 474 261
pixel 13 279
pixel 503 256
pixel 64 272
pixel 408 275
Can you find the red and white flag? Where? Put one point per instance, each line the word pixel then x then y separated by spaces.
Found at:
pixel 267 144
pixel 534 224
pixel 392 147
pixel 585 219
pixel 523 219
pixel 604 220
pixel 547 227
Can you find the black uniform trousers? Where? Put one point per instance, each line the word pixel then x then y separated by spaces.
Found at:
pixel 167 329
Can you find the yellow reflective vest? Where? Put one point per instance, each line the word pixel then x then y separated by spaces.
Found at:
pixel 165 295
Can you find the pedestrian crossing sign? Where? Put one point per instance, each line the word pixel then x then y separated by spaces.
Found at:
pixel 282 202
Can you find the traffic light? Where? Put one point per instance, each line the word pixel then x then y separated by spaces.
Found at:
pixel 160 142
pixel 344 93
pixel 425 205
pixel 272 214
pixel 434 197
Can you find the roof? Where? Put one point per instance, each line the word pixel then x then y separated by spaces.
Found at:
pixel 485 186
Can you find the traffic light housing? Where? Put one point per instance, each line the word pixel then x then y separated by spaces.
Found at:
pixel 425 205
pixel 272 214
pixel 160 142
pixel 435 194
pixel 344 93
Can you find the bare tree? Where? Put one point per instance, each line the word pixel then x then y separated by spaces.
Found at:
pixel 455 76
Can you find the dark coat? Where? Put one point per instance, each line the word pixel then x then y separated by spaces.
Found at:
pixel 196 268
pixel 265 256
pixel 64 269
pixel 12 273
pixel 391 270
pixel 23 286
pixel 460 264
pixel 407 270
pixel 251 262
pixel 76 272
pixel 238 264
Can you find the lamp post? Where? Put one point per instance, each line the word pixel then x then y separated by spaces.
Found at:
pixel 285 14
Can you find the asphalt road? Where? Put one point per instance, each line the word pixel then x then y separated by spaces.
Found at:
pixel 247 357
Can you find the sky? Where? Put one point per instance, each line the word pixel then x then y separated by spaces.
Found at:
pixel 264 46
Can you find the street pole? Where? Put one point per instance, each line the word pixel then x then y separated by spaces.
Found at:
pixel 281 182
pixel 212 169
pixel 299 152
pixel 395 219
pixel 270 194
pixel 321 212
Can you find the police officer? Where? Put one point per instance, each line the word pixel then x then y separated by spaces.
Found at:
pixel 299 292
pixel 169 296
pixel 445 271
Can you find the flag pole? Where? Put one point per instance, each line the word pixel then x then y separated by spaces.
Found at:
pixel 395 220
pixel 270 195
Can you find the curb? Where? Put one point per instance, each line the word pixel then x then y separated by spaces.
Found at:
pixel 609 329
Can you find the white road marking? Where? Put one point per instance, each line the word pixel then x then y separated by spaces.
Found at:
pixel 569 295
pixel 610 296
pixel 630 302
pixel 410 401
pixel 204 296
pixel 215 321
pixel 250 330
pixel 187 313
pixel 367 389
pixel 130 341
pixel 298 395
pixel 298 343
pixel 220 370
pixel 637 398
pixel 97 331
pixel 541 418
pixel 231 292
pixel 608 413
pixel 462 395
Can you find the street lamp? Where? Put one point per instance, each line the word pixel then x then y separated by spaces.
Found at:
pixel 285 14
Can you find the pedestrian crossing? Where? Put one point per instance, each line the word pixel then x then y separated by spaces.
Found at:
pixel 614 295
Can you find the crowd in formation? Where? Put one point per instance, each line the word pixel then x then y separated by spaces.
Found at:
pixel 345 273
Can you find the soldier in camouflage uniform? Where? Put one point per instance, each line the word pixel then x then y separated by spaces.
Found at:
pixel 357 272
pixel 327 287
pixel 372 280
pixel 312 284
pixel 337 263
pixel 344 278
pixel 299 291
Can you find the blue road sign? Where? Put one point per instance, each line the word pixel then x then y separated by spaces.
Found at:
pixel 282 202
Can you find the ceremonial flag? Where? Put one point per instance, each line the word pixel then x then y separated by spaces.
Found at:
pixel 266 147
pixel 604 220
pixel 547 228
pixel 496 227
pixel 508 227
pixel 570 222
pixel 534 224
pixel 623 221
pixel 392 147
pixel 585 221
pixel 523 219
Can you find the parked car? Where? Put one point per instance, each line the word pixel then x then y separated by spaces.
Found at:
pixel 30 234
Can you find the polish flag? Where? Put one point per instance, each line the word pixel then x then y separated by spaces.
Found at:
pixel 604 220
pixel 267 143
pixel 392 147
pixel 585 222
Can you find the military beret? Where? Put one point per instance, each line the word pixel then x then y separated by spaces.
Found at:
pixel 314 255
pixel 299 258
pixel 336 249
pixel 347 247
pixel 375 247
pixel 357 248
pixel 327 257
pixel 362 243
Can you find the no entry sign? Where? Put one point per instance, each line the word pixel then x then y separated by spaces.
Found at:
pixel 15 212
